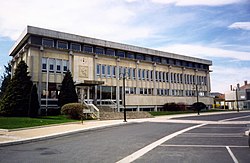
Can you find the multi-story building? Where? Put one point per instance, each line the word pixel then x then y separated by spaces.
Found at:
pixel 238 97
pixel 153 77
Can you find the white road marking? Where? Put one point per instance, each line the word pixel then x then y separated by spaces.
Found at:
pixel 232 155
pixel 203 146
pixel 234 118
pixel 151 146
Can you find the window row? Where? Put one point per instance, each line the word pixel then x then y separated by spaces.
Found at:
pixel 149 75
pixel 54 65
pixel 47 42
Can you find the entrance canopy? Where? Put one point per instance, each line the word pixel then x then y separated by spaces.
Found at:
pixel 89 83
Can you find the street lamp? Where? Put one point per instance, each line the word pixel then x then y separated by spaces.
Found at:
pixel 123 76
pixel 236 89
pixel 196 88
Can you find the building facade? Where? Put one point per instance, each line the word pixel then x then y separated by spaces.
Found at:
pixel 238 97
pixel 152 78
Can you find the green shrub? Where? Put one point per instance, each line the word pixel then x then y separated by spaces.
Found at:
pixel 174 107
pixel 73 110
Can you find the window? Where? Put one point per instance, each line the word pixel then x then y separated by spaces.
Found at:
pixel 47 42
pixel 156 75
pixel 147 74
pixel 62 45
pixel 141 91
pixel 171 61
pixel 58 65
pixel 148 57
pixel 139 74
pixel 129 73
pixel 110 52
pixel 51 65
pixel 177 78
pixel 76 47
pixel 103 70
pixel 132 90
pixel 167 77
pixel 178 63
pixel 160 73
pixel 152 75
pixel 98 67
pixel 164 61
pixel 44 64
pixel 130 55
pixel 114 71
pixel 143 74
pixel 65 65
pixel 88 48
pixel 145 91
pixel 120 54
pixel 157 59
pixel 163 77
pixel 108 71
pixel 150 91
pixel 181 79
pixel 134 73
pixel 99 50
pixel 139 56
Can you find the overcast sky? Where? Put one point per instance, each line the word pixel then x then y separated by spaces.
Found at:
pixel 218 30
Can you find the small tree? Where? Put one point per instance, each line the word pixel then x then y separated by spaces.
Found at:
pixel 33 102
pixel 15 101
pixel 67 92
pixel 198 106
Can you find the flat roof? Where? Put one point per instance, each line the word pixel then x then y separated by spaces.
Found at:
pixel 30 30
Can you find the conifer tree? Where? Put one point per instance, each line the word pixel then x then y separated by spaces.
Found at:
pixel 33 102
pixel 5 79
pixel 67 92
pixel 15 101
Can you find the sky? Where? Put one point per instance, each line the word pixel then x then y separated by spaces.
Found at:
pixel 217 30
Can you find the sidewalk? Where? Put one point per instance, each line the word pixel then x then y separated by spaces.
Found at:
pixel 46 132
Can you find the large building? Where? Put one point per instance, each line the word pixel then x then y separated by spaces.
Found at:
pixel 153 77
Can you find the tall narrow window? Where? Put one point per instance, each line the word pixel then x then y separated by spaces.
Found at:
pixel 44 64
pixel 129 73
pixel 65 66
pixel 114 71
pixel 58 65
pixel 139 74
pixel 98 67
pixel 156 75
pixel 103 70
pixel 143 74
pixel 51 65
pixel 108 71
pixel 134 73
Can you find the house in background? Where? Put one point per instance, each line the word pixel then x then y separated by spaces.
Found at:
pixel 238 97
pixel 219 100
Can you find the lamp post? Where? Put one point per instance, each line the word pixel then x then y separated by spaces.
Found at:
pixel 236 89
pixel 123 75
pixel 196 88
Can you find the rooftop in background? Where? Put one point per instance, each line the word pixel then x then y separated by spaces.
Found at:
pixel 93 41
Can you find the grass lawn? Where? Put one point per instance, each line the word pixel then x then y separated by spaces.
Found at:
pixel 21 122
pixel 159 113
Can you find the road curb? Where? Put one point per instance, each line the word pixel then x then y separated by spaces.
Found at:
pixel 56 135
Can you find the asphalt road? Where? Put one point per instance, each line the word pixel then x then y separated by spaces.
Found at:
pixel 203 143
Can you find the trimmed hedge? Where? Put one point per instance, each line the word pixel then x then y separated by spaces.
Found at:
pixel 73 110
pixel 174 107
